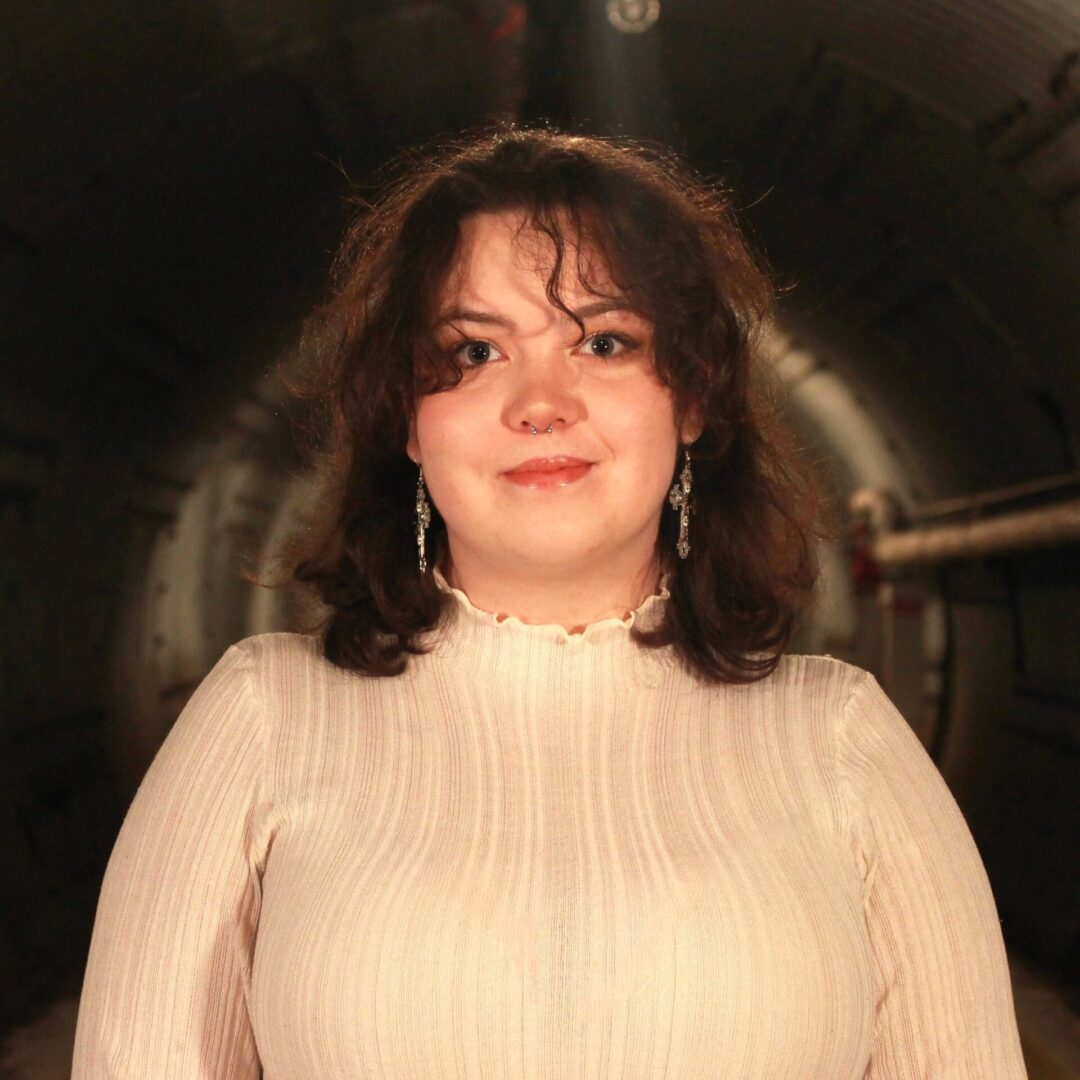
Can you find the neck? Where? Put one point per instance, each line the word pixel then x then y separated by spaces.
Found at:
pixel 568 597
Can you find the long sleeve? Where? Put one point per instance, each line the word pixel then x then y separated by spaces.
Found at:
pixel 944 1001
pixel 167 981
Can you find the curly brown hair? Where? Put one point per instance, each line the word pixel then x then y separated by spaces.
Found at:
pixel 671 243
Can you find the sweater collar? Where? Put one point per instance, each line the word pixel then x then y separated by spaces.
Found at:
pixel 646 616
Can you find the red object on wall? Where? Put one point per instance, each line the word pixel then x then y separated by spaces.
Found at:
pixel 866 573
pixel 511 24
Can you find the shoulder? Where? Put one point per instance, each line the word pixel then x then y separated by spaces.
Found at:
pixel 815 676
pixel 807 694
pixel 283 655
pixel 291 667
pixel 803 694
pixel 796 678
pixel 262 650
pixel 853 704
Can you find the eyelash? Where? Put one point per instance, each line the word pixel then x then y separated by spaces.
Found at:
pixel 628 345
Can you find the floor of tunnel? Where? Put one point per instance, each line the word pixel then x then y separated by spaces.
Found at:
pixel 1049 1034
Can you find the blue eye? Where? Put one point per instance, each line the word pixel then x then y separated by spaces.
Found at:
pixel 477 353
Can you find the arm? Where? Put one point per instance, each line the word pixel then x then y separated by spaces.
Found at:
pixel 167 981
pixel 944 1000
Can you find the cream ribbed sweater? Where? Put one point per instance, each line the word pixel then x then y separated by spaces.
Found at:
pixel 542 856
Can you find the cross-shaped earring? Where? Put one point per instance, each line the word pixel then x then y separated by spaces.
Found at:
pixel 423 519
pixel 679 497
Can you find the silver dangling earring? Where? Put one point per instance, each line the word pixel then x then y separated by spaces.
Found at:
pixel 679 497
pixel 423 519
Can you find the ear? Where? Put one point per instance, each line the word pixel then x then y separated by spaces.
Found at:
pixel 412 447
pixel 692 426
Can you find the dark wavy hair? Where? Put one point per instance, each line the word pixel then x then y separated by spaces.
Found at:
pixel 672 245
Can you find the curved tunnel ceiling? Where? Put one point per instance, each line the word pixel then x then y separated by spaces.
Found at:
pixel 173 186
pixel 927 220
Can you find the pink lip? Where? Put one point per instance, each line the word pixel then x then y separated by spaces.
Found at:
pixel 547 464
pixel 548 472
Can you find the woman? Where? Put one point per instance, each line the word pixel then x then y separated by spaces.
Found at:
pixel 545 798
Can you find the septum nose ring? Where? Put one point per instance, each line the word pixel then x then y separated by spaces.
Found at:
pixel 547 430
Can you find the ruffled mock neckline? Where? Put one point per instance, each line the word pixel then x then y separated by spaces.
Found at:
pixel 647 615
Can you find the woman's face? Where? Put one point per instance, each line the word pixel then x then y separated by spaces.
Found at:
pixel 522 370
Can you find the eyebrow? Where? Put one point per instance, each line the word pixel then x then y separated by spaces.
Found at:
pixel 587 311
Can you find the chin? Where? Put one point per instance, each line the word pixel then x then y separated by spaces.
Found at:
pixel 552 557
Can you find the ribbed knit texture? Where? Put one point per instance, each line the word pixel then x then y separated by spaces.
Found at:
pixel 543 856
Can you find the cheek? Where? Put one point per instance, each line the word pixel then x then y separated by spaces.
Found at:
pixel 453 443
pixel 650 472
pixel 442 426
pixel 642 425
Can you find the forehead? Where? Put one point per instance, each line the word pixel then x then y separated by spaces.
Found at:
pixel 493 245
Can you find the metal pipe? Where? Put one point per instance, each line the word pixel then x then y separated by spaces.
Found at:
pixel 1063 483
pixel 1044 526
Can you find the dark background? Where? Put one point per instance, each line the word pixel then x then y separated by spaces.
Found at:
pixel 172 178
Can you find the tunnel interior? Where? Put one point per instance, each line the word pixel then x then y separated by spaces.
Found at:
pixel 174 181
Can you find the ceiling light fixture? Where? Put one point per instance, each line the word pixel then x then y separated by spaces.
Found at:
pixel 633 16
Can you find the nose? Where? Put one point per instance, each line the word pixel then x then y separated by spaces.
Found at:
pixel 545 395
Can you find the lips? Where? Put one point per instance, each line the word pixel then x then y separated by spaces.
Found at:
pixel 548 473
pixel 547 465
